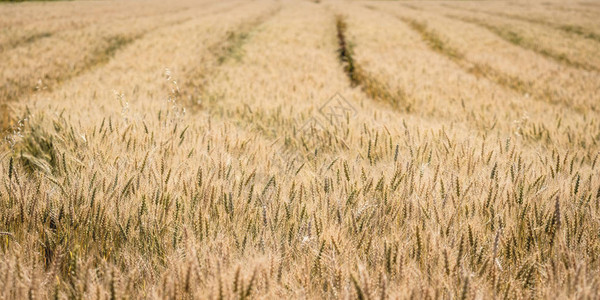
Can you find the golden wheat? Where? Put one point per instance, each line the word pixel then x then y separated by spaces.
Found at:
pixel 299 149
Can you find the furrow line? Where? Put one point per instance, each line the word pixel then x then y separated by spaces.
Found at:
pixel 358 76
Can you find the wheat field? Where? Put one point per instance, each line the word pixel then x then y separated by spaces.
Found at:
pixel 204 149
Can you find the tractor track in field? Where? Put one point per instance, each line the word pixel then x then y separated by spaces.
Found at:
pixel 439 45
pixel 33 37
pixel 25 40
pixel 229 47
pixel 358 76
pixel 520 41
pixel 568 28
pixel 99 57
